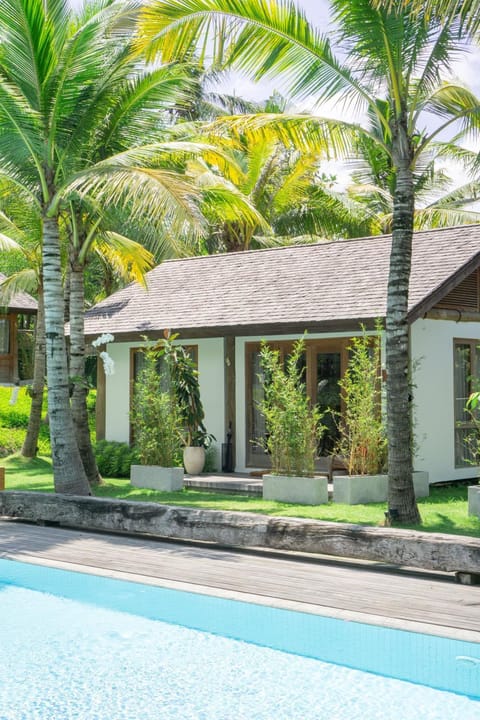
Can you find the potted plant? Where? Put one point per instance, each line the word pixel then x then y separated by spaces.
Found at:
pixel 363 441
pixel 186 386
pixel 294 430
pixel 157 426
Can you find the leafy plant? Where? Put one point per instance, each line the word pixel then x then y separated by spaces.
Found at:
pixel 115 458
pixel 363 440
pixel 293 423
pixel 156 415
pixel 184 377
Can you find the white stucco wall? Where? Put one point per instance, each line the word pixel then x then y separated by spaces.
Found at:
pixel 434 425
pixel 210 368
pixel 432 355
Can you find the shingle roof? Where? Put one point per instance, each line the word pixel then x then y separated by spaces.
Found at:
pixel 320 285
pixel 20 302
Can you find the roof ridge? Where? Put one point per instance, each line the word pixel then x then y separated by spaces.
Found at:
pixel 321 243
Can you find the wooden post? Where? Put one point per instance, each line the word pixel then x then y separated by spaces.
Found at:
pixel 2 478
pixel 230 403
pixel 100 407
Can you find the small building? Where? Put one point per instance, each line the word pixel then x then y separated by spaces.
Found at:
pixel 17 326
pixel 223 305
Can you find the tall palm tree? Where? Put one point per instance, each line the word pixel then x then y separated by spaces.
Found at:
pixel 394 50
pixel 52 78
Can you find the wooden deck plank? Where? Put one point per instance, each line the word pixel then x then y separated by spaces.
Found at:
pixel 370 590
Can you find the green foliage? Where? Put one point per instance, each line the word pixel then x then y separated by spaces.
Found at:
pixel 14 415
pixel 293 424
pixel 156 416
pixel 184 376
pixel 211 460
pixel 363 441
pixel 14 421
pixel 115 458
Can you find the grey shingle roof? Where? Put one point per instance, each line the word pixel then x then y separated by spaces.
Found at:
pixel 20 302
pixel 321 285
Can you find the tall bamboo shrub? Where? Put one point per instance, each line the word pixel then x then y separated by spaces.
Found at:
pixel 156 415
pixel 363 440
pixel 293 423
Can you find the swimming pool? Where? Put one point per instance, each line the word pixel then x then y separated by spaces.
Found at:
pixel 79 646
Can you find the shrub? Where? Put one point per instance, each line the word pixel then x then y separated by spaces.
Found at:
pixel 14 421
pixel 114 458
pixel 363 440
pixel 293 423
pixel 156 416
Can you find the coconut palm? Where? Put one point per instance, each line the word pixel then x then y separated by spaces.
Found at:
pixel 128 259
pixel 396 51
pixel 53 75
pixel 437 204
pixel 25 244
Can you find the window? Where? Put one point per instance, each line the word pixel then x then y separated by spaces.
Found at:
pixel 4 336
pixel 466 380
pixel 137 360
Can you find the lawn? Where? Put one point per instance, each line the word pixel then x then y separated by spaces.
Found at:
pixel 444 511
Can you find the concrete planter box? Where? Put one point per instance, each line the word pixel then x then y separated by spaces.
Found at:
pixel 474 500
pixel 155 477
pixel 301 490
pixel 363 489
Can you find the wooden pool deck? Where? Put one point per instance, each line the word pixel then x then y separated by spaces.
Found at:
pixel 365 592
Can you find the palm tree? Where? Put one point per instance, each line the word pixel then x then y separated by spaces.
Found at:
pixel 394 50
pixel 53 75
pixel 25 244
pixel 437 204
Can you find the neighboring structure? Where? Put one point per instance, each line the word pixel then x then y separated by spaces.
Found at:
pixel 223 305
pixel 16 337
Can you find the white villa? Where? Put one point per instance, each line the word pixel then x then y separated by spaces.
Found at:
pixel 223 305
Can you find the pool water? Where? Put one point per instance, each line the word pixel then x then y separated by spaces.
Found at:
pixel 92 658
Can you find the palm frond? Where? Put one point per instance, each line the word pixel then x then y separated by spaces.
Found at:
pixel 272 40
pixel 26 280
pixel 129 259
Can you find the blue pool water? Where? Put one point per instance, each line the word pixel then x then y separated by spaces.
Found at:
pixel 76 646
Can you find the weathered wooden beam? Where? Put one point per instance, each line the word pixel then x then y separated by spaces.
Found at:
pixel 430 551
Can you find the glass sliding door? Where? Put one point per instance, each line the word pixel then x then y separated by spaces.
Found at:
pixel 323 365
pixel 465 380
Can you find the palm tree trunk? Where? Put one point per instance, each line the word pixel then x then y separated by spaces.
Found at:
pixel 77 371
pixel 69 475
pixel 29 447
pixel 401 497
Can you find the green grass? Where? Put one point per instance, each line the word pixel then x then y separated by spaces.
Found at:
pixel 444 511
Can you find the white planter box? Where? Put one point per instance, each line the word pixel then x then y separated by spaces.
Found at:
pixel 474 500
pixel 363 489
pixel 155 477
pixel 301 490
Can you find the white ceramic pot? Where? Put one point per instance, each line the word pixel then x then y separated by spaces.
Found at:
pixel 193 459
